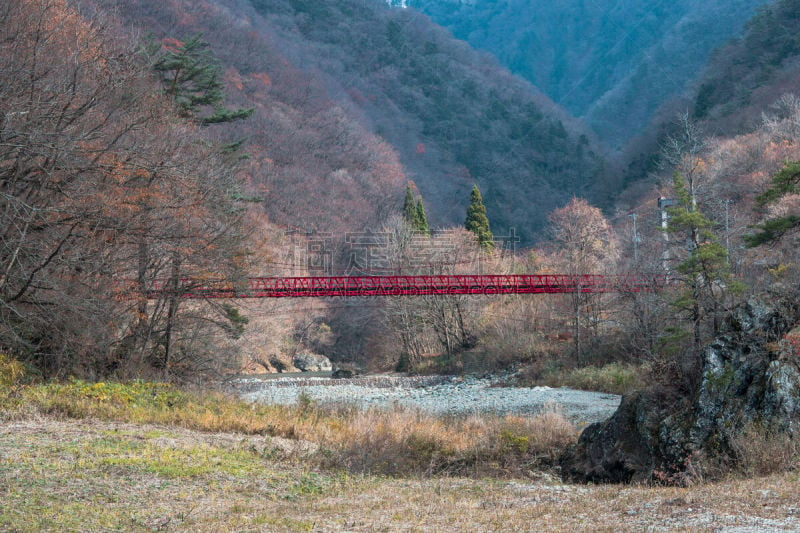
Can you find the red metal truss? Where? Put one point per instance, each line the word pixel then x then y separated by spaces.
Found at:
pixel 350 286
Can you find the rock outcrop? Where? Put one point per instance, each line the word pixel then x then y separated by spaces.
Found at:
pixel 311 362
pixel 750 375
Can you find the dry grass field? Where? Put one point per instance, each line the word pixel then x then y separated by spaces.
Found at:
pixel 70 460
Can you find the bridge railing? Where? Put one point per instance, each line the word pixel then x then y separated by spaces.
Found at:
pixel 418 285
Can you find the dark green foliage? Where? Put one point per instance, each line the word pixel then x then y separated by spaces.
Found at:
pixel 414 213
pixel 235 321
pixel 772 230
pixel 705 273
pixel 477 222
pixel 707 257
pixel 403 363
pixel 772 35
pixel 703 101
pixel 409 208
pixel 191 76
pixel 786 181
pixel 420 220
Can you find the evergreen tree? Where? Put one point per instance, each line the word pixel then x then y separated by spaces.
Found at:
pixel 414 212
pixel 786 181
pixel 705 269
pixel 420 220
pixel 409 208
pixel 191 75
pixel 477 222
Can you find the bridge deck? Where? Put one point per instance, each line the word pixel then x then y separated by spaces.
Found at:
pixel 421 285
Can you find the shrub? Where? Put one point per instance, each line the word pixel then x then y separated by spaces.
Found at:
pixel 760 451
pixel 11 371
pixel 613 378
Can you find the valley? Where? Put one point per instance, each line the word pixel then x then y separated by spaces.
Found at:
pixel 604 213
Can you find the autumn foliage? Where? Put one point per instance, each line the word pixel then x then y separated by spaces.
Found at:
pixel 101 185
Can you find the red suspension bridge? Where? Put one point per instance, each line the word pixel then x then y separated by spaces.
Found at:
pixel 420 285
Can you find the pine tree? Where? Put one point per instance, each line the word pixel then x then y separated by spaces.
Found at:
pixel 420 220
pixel 477 222
pixel 409 208
pixel 191 75
pixel 786 181
pixel 705 269
pixel 414 212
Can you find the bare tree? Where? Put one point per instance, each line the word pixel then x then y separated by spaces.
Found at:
pixel 101 187
pixel 586 244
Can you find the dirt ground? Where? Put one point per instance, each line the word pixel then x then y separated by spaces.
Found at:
pixel 101 476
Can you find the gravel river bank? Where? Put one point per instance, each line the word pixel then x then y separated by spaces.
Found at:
pixel 442 395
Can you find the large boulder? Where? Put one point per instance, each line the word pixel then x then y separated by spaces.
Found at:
pixel 750 375
pixel 625 448
pixel 312 362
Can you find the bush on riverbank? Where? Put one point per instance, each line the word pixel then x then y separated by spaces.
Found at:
pixel 613 378
pixel 398 442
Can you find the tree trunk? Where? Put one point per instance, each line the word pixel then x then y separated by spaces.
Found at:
pixel 577 330
pixel 173 307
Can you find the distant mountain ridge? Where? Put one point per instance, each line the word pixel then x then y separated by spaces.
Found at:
pixel 612 63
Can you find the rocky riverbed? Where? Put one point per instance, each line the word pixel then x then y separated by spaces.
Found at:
pixel 435 394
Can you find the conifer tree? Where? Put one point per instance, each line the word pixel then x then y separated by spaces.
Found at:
pixel 705 269
pixel 409 208
pixel 477 222
pixel 191 75
pixel 785 182
pixel 420 220
pixel 414 212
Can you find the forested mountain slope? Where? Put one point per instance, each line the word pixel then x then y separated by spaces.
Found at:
pixel 747 76
pixel 612 63
pixel 339 88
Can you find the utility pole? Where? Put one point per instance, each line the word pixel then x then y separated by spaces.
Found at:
pixel 663 204
pixel 635 239
pixel 727 232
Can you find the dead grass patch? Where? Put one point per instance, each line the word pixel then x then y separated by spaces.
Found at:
pixel 72 475
pixel 761 451
pixel 404 441
pixel 397 441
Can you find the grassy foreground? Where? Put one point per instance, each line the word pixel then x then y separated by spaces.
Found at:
pixel 143 456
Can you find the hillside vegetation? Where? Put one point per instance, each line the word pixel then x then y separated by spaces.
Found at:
pixel 747 83
pixel 149 146
pixel 112 186
pixel 453 116
pixel 340 105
